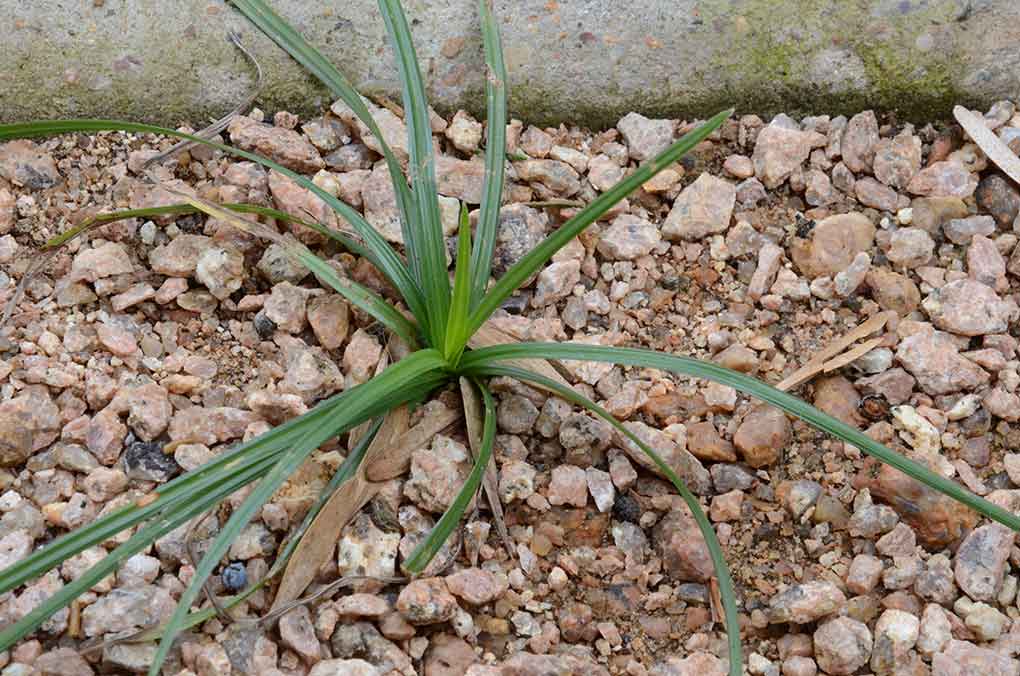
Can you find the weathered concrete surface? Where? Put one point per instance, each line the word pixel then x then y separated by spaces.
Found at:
pixel 588 61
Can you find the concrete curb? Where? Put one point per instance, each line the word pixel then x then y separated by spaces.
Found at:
pixel 587 62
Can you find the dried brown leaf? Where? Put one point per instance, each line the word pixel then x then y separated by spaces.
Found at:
pixel 395 458
pixel 852 355
pixel 474 422
pixel 992 146
pixel 817 363
pixel 320 539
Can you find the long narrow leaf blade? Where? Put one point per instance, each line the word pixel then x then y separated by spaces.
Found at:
pixel 183 208
pixel 391 264
pixel 355 247
pixel 537 257
pixel 360 296
pixel 756 388
pixel 278 30
pixel 342 474
pixel 437 537
pixel 457 323
pixel 429 242
pixel 722 571
pixel 495 153
pixel 176 503
pixel 392 387
pixel 136 543
pixel 110 217
pixel 199 481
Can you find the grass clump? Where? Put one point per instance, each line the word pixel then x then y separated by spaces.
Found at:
pixel 437 321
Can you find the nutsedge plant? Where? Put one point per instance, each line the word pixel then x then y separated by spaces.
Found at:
pixel 436 323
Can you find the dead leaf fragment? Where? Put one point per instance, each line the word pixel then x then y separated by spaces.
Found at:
pixel 992 146
pixel 824 361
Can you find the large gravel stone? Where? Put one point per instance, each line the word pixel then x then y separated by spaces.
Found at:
pixel 703 208
pixel 221 270
pixel 28 422
pixel 24 163
pixel 835 242
pixel 684 551
pixel 301 203
pixel 179 257
pixel 521 229
pixel 962 658
pixel 934 359
pixel 969 308
pixel 842 646
pixel 437 474
pixel 962 230
pixel 298 634
pixel 628 237
pixel 126 609
pixel 364 549
pixel 568 485
pixel 780 151
pixel 1000 197
pixel 105 261
pixel 61 662
pixel 556 281
pixel 476 586
pixel 859 140
pixel 645 138
pixel 935 631
pixel 286 146
pixel 557 176
pixel 762 436
pixel 893 291
pixel 895 635
pixel 426 601
pixel 803 603
pixel 910 247
pixel 981 561
pixel 897 159
pixel 944 179
pixel 210 426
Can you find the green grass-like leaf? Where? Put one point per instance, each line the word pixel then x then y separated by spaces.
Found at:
pixel 495 153
pixel 396 385
pixel 346 470
pixel 756 388
pixel 445 320
pixel 171 495
pixel 386 258
pixel 359 296
pixel 181 209
pixel 722 571
pixel 430 546
pixel 174 506
pixel 428 245
pixel 541 254
pixel 456 326
pixel 188 507
pixel 278 30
